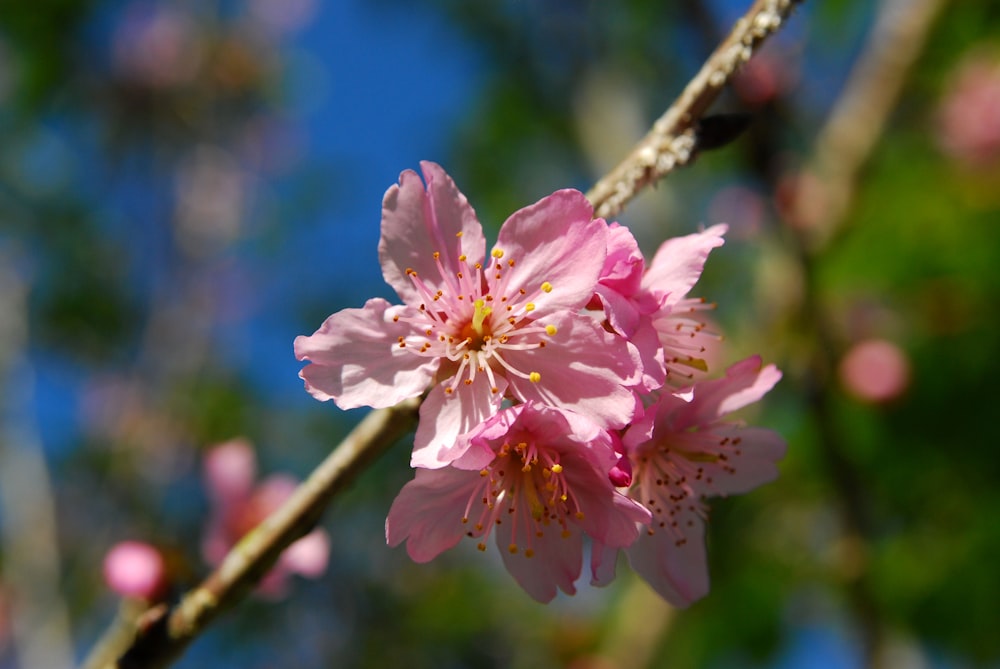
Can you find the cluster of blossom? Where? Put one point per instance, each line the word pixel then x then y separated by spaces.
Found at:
pixel 568 389
pixel 237 504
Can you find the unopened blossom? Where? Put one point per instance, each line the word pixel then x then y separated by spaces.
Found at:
pixel 135 569
pixel 684 450
pixel 478 328
pixel 239 503
pixel 534 477
pixel 969 113
pixel 876 371
pixel 650 306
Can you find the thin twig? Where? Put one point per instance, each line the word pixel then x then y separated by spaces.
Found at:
pixel 163 638
pixel 671 141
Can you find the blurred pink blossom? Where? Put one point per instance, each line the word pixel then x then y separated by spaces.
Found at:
pixel 157 46
pixel 968 121
pixel 135 569
pixel 875 371
pixel 239 504
pixel 765 76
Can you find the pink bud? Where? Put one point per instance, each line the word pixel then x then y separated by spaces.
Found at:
pixel 135 569
pixel 875 371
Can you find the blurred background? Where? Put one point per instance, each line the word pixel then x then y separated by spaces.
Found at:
pixel 185 186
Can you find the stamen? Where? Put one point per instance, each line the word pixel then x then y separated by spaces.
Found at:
pixel 534 377
pixel 546 287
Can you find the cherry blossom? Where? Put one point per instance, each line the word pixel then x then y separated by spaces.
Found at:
pixel 683 450
pixel 651 308
pixel 537 479
pixel 135 569
pixel 479 328
pixel 239 503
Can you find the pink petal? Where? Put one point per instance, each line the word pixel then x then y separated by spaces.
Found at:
pixel 745 383
pixel 417 222
pixel 624 266
pixel 308 556
pixel 754 464
pixel 273 492
pixel 603 560
pixel 356 358
pixel 556 563
pixel 646 343
pixel 444 418
pixel 229 470
pixel 428 512
pixel 620 311
pixel 609 516
pixel 556 241
pixel 679 573
pixel 584 369
pixel 678 263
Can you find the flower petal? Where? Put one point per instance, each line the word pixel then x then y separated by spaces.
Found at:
pixel 416 222
pixel 556 563
pixel 583 369
pixel 444 418
pixel 745 383
pixel 678 263
pixel 356 361
pixel 751 465
pixel 557 241
pixel 428 511
pixel 676 569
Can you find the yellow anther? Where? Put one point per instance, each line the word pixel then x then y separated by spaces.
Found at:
pixel 512 548
pixel 497 253
pixel 462 258
pixel 481 546
pixel 530 306
pixel 529 553
pixel 437 254
pixel 557 468
pixel 534 377
pixel 551 330
pixel 480 314
pixel 458 234
pixel 546 287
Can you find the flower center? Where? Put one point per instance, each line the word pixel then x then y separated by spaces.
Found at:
pixel 673 477
pixel 526 486
pixel 475 318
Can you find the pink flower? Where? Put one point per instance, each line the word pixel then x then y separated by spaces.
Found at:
pixel 534 476
pixel 239 505
pixel 969 114
pixel 683 450
pixel 651 307
pixel 480 328
pixel 135 569
pixel 875 371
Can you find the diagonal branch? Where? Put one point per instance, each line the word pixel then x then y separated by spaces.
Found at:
pixel 163 633
pixel 671 141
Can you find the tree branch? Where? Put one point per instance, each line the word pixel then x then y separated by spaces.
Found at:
pixel 164 633
pixel 671 141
